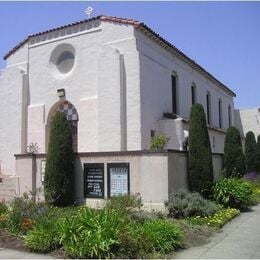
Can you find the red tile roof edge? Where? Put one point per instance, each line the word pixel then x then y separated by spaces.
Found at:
pixel 137 25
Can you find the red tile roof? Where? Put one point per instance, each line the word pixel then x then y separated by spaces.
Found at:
pixel 143 28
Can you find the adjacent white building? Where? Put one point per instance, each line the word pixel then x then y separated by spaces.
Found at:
pixel 248 120
pixel 118 82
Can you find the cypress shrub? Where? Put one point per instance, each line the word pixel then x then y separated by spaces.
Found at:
pixel 258 154
pixel 250 152
pixel 59 177
pixel 200 158
pixel 234 161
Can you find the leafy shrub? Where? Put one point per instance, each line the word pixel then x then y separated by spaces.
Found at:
pixel 23 213
pixel 185 204
pixel 59 177
pixel 3 208
pixel 234 160
pixel 142 216
pixel 151 237
pixel 250 152
pixel 44 237
pixel 200 159
pixel 158 142
pixel 124 203
pixel 133 242
pixel 234 193
pixel 91 233
pixel 164 235
pixel 217 220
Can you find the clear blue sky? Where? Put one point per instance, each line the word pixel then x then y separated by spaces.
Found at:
pixel 223 37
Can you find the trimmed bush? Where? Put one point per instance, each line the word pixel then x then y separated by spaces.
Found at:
pixel 186 204
pixel 59 177
pixel 200 159
pixel 258 154
pixel 234 193
pixel 158 142
pixel 250 152
pixel 234 161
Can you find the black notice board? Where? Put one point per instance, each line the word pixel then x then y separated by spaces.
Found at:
pixel 94 180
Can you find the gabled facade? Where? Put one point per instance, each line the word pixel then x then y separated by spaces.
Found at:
pixel 118 83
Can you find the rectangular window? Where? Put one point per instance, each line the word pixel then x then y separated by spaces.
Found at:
pixel 193 98
pixel 229 116
pixel 220 113
pixel 174 94
pixel 208 108
pixel 43 166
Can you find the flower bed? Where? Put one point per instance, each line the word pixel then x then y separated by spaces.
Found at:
pixel 217 220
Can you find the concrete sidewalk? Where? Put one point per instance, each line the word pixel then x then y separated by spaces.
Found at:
pixel 239 239
pixel 14 254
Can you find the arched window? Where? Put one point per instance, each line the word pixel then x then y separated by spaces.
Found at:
pixel 174 93
pixel 220 113
pixel 208 101
pixel 229 116
pixel 193 94
pixel 72 116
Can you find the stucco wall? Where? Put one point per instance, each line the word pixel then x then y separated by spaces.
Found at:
pixel 13 84
pixel 97 87
pixel 153 175
pixel 178 172
pixel 156 67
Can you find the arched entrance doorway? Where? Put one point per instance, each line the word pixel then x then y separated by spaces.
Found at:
pixel 72 116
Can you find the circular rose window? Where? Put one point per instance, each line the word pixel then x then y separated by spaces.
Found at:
pixel 65 62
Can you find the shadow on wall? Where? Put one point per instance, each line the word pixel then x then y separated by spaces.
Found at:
pixel 238 122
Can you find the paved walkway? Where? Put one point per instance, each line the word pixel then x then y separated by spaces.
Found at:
pixel 239 239
pixel 14 254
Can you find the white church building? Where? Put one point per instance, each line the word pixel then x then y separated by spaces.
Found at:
pixel 119 83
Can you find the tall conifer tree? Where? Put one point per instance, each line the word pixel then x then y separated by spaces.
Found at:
pixel 200 158
pixel 250 152
pixel 234 160
pixel 59 178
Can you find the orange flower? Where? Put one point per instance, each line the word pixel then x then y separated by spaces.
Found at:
pixel 3 218
pixel 27 223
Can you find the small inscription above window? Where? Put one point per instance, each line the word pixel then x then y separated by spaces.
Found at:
pixel 65 62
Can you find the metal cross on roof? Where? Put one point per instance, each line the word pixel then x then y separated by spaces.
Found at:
pixel 89 11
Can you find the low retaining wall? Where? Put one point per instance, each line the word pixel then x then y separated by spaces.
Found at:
pixel 152 174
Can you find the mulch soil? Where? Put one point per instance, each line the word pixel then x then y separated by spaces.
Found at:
pixel 8 240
